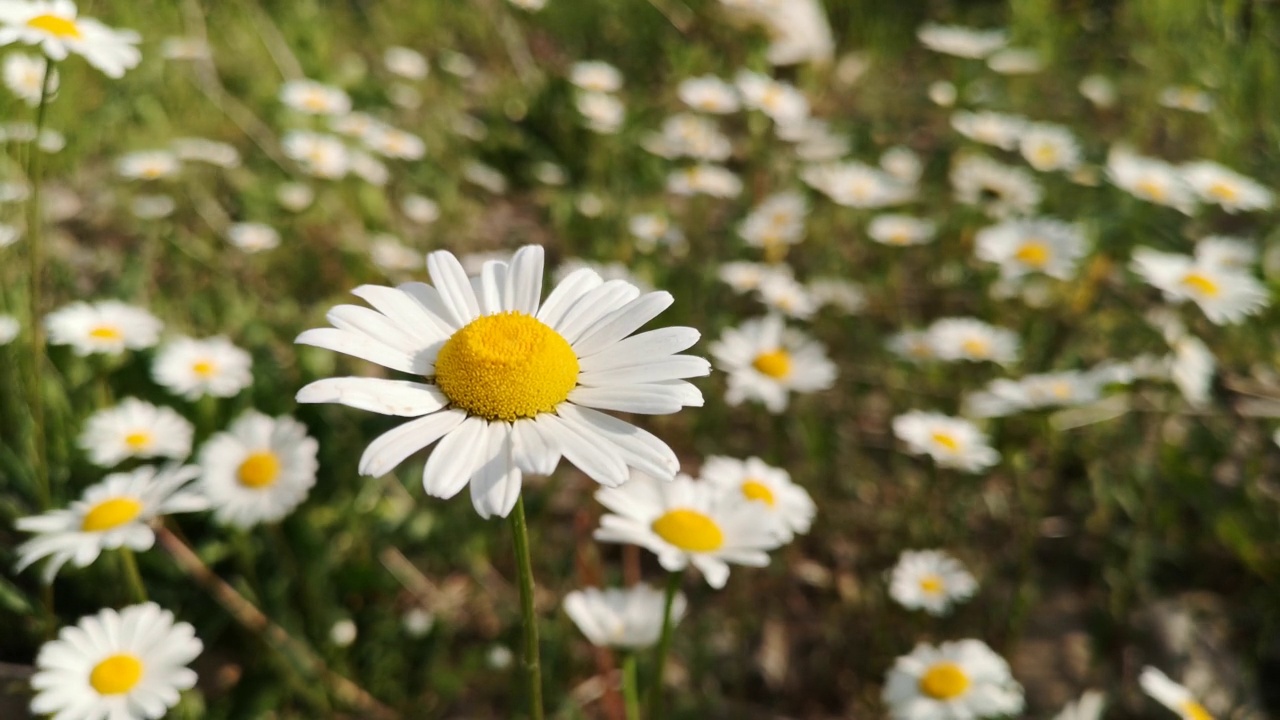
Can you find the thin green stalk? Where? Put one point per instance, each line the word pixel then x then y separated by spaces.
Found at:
pixel 35 248
pixel 129 566
pixel 530 660
pixel 630 691
pixel 664 645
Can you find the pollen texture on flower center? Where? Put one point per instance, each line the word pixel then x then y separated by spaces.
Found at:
pixel 944 681
pixel 756 490
pixel 116 675
pixel 506 367
pixel 775 363
pixel 689 530
pixel 259 470
pixel 54 25
pixel 110 514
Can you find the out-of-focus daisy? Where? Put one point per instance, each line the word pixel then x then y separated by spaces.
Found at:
pixel 762 483
pixel 148 165
pixel 320 155
pixel 393 256
pixel 1088 707
pixel 596 76
pixel 689 135
pixel 107 326
pixel 963 679
pixel 185 49
pixel 1226 188
pixel 708 94
pixel 294 196
pixel 152 206
pixel 972 339
pixel 814 140
pixel 549 173
pixel 1099 90
pixel 1186 97
pixel 1005 397
pixel 854 184
pixel 930 580
pixel 530 5
pixel 314 98
pixel 951 441
pixel 515 382
pixel 744 277
pixel 55 26
pixel 9 234
pixel 1191 368
pixel 779 100
pixel 783 293
pixel 484 176
pixel 961 41
pixel 1172 695
pixel 652 229
pixel 685 522
pixel 903 164
pixel 1232 253
pixel 1042 245
pixel 405 62
pixel 418 622
pixel 942 93
pixel 212 152
pixel 128 664
pixel 1016 61
pixel 253 237
pixel 1226 295
pixel 901 230
pixel 798 30
pixel 839 293
pixel 116 512
pixel 354 124
pixel 24 76
pixel 1150 179
pixel 603 112
pixel 767 361
pixel 777 220
pixel 420 209
pixel 135 428
pixel 395 143
pixel 369 168
pixel 990 128
pixel 629 618
pixel 1047 147
pixel 258 470
pixel 704 179
pixel 9 328
pixel 195 368
pixel 1000 189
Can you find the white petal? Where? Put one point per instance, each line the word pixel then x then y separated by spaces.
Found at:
pixel 407 311
pixel 640 449
pixel 496 485
pixel 648 399
pixel 357 346
pixel 389 397
pixel 391 448
pixel 524 280
pixel 622 322
pixel 567 293
pixel 600 462
pixel 532 452
pixel 369 322
pixel 593 306
pixel 493 278
pixel 454 287
pixel 429 298
pixel 456 459
pixel 673 367
pixel 641 349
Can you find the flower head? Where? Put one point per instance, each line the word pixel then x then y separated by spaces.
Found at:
pixel 195 368
pixel 766 361
pixel 55 26
pixel 963 679
pixel 951 441
pixel 258 470
pixel 762 483
pixel 108 326
pixel 629 618
pixel 135 429
pixel 930 580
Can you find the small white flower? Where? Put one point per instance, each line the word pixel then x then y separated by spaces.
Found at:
pixel 1226 295
pixel 1004 397
pixel 954 339
pixel 395 143
pixel 930 580
pixel 152 207
pixel 901 230
pixel 1040 245
pixel 24 76
pixel 1088 707
pixel 912 345
pixel 629 618
pixel 689 135
pixel 596 76
pixel 708 94
pixel 961 41
pixel 604 113
pixel 9 234
pixel 777 220
pixel 845 295
pixel 1226 188
pixel 1172 695
pixel 195 368
pixel 294 196
pixel 368 168
pixel 55 27
pixel 782 293
pixel 1191 368
pixel 343 633
pixel 253 237
pixel 1150 179
pixel 652 229
pixel 1000 189
pixel 393 256
pixel 759 482
pixel 744 277
pixel 212 152
pixel 963 679
pixel 107 326
pixel 1186 97
pixel 1099 90
pixel 903 164
pixel 767 361
pixel 779 100
pixel 135 429
pixel 323 156
pixel 485 176
pixel 9 328
pixel 258 470
pixel 1049 147
pixel 705 179
pixel 420 209
pixel 942 93
pixel 406 62
pixel 990 128
pixel 148 165
pixel 952 442
pixel 314 98
pixel 1016 61
pixel 854 184
pixel 1232 253
pixel 418 622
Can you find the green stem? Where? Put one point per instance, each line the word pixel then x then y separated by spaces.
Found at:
pixel 129 565
pixel 529 618
pixel 35 248
pixel 630 692
pixel 664 644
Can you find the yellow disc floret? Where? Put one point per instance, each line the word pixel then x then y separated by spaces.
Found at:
pixel 57 26
pixel 506 367
pixel 1201 284
pixel 1193 710
pixel 259 470
pixel 775 363
pixel 1033 253
pixel 689 530
pixel 110 514
pixel 944 681
pixel 931 584
pixel 756 490
pixel 116 675
pixel 105 332
pixel 946 440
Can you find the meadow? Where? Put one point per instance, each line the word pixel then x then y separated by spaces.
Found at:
pixel 954 317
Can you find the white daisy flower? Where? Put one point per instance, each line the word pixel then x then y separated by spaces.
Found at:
pixel 704 179
pixel 9 328
pixel 195 368
pixel 912 345
pixel 135 429
pixel 901 230
pixel 106 326
pixel 1226 188
pixel 420 209
pixel 116 512
pixel 596 76
pixel 951 441
pixel 1186 97
pixel 1048 147
pixel 484 176
pixel 294 196
pixel 1226 295
pixel 395 143
pixel 1228 252
pixel 652 229
pixel 152 207
pixel 853 184
pixel 1150 179
pixel 777 220
pixel 779 100
pixel 767 361
pixel 55 27
pixel 961 41
pixel 844 295
pixel 9 234
pixel 963 679
pixel 369 168
pixel 129 664
pixel 954 339
pixel 603 112
pixel 1088 707
pixel 685 522
pixel 24 76
pixel 323 156
pixel 782 293
pixel 1099 90
pixel 393 256
pixel 529 5
pixel 903 164
pixel 689 135
pixel 514 382
pixel 930 580
pixel 942 92
pixel 744 277
pixel 1001 190
pixel 258 470
pixel 148 165
pixel 253 237
pixel 814 140
pixel 762 483
pixel 798 29
pixel 1172 695
pixel 211 152
pixel 1016 61
pixel 549 173
pixel 708 94
pixel 990 128
pixel 315 98
pixel 629 618
pixel 1005 397
pixel 405 62
pixel 1042 245
pixel 354 124
pixel 1191 368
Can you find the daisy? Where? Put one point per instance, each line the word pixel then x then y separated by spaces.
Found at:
pixel 323 156
pixel 781 101
pixel 990 128
pixel 253 237
pixel 901 230
pixel 420 209
pixel 148 165
pixel 368 168
pixel 963 679
pixel 393 256
pixel 764 484
pixel 853 184
pixel 629 618
pixel 9 327
pixel 786 295
pixel 1186 97
pixel 844 295
pixel 513 382
pixel 961 41
pixel 259 470
pixel 930 580
pixel 777 220
pixel 685 522
pixel 744 277
pixel 24 76
pixel 549 173
pixel 596 76
pixel 152 207
pixel 1232 253
pixel 1150 179
pixel 395 143
pixel 1226 295
pixel 107 326
pixel 129 664
pixel 1226 188
pixel 405 62
pixel 767 361
pixel 652 229
pixel 195 368
pixel 9 234
pixel 1005 397
pixel 705 179
pixel 708 94
pixel 1088 707
pixel 314 98
pixel 294 196
pixel 1172 695
pixel 1042 245
pixel 971 339
pixel 798 30
pixel 952 442
pixel 604 113
pixel 135 428
pixel 484 176
pixel 1049 147
pixel 814 140
pixel 1191 368
pixel 116 512
pixel 942 93
pixel 1099 90
pixel 1016 61
pixel 211 152
pixel 1000 189
pixel 903 164
pixel 688 135
pixel 55 27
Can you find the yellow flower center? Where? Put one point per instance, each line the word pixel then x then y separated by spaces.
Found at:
pixel 57 26
pixel 259 470
pixel 1152 188
pixel 1201 284
pixel 116 675
pixel 1045 154
pixel 689 530
pixel 775 363
pixel 899 237
pixel 137 440
pixel 315 101
pixel 106 332
pixel 1034 253
pixel 931 584
pixel 756 490
pixel 976 347
pixel 944 681
pixel 110 514
pixel 1224 191
pixel 1060 390
pixel 946 440
pixel 203 368
pixel 1193 710
pixel 506 367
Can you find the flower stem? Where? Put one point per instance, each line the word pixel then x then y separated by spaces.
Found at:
pixel 35 270
pixel 664 644
pixel 630 693
pixel 530 661
pixel 129 566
